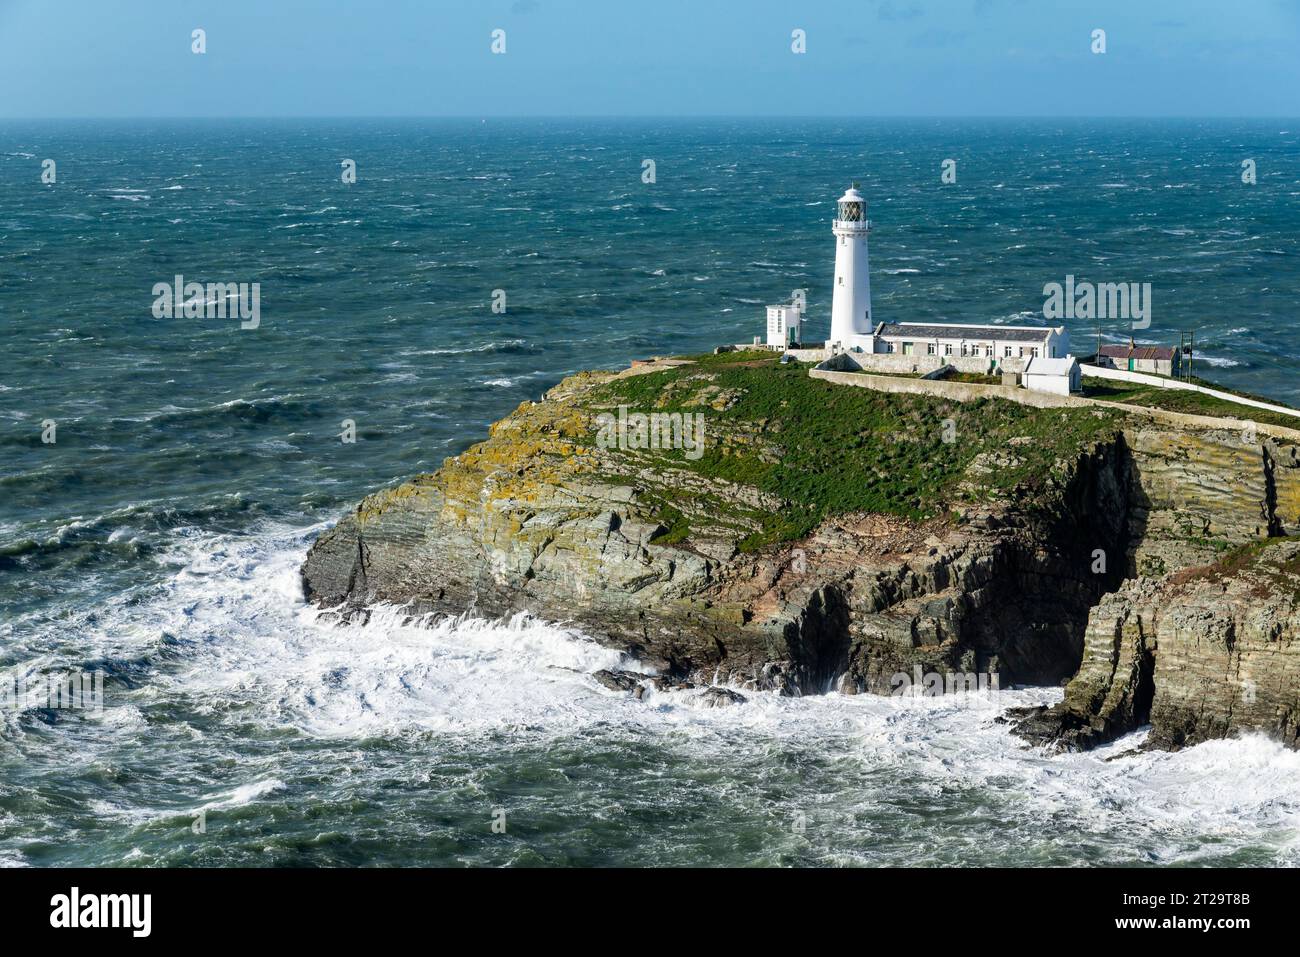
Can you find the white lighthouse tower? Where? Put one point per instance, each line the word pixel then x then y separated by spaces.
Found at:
pixel 851 323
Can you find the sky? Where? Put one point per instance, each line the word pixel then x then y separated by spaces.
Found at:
pixel 952 58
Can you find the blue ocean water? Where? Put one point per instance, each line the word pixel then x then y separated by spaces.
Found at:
pixel 158 537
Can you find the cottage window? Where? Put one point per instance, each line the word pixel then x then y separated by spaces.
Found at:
pixel 947 348
pixel 988 351
pixel 1007 353
pixel 929 348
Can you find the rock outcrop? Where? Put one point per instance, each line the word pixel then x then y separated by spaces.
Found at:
pixel 1204 653
pixel 1075 552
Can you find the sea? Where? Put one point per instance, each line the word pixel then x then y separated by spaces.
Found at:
pixel 161 479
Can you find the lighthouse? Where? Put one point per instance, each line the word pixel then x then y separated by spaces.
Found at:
pixel 851 323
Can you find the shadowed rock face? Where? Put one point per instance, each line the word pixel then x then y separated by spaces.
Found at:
pixel 536 520
pixel 1203 642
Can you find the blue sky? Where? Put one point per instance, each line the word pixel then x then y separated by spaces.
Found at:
pixel 94 58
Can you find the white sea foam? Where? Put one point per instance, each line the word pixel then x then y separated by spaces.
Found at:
pixel 242 795
pixel 1217 361
pixel 486 347
pixel 250 650
pixel 237 608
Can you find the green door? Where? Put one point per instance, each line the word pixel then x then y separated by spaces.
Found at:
pixel 1130 365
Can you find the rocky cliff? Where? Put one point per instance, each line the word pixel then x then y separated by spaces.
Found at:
pixel 831 538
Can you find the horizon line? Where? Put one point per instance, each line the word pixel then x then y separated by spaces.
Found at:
pixel 652 116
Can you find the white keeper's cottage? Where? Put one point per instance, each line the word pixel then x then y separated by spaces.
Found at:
pixel 954 340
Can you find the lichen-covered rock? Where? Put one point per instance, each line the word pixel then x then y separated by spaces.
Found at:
pixel 1070 574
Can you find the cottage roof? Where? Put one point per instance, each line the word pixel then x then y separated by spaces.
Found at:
pixel 1138 352
pixel 956 330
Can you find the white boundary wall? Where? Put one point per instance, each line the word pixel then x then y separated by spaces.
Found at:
pixel 1100 372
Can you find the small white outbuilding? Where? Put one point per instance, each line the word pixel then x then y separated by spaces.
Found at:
pixel 1058 376
pixel 783 323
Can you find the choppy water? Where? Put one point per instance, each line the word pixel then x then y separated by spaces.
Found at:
pixel 159 537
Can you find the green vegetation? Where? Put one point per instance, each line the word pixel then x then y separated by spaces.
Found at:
pixel 1280 575
pixel 824 449
pixel 1183 400
pixel 1197 380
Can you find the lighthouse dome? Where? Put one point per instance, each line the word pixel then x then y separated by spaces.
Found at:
pixel 852 208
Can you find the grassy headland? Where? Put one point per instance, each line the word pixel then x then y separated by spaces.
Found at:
pixel 1185 400
pixel 823 449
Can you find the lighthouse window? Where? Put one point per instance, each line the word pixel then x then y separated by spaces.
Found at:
pixel 841 280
